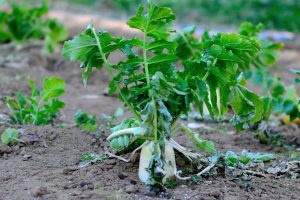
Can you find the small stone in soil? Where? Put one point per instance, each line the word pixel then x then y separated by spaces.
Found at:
pixel 215 194
pixel 45 145
pixel 165 195
pixel 83 183
pixel 131 189
pixel 133 182
pixel 33 138
pixel 87 185
pixel 40 191
pixel 27 157
pixel 122 175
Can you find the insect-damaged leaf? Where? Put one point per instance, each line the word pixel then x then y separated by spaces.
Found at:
pixel 85 48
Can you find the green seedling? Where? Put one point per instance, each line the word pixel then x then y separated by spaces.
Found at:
pixel 232 160
pixel 42 107
pixel 10 135
pixel 85 122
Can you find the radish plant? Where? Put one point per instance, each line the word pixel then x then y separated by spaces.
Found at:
pixel 157 93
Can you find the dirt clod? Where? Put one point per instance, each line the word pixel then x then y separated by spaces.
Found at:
pixel 40 191
pixel 131 189
pixel 69 171
pixel 4 149
pixel 111 162
pixel 122 175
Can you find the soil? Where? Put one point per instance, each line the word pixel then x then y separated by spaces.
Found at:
pixel 48 167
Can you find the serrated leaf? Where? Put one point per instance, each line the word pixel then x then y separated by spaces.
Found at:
pixel 155 23
pixel 233 41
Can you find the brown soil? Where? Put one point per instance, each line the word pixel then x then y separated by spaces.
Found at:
pixel 48 169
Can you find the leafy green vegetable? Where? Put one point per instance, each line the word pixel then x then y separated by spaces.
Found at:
pixel 85 122
pixel 279 98
pixel 232 159
pixel 41 107
pixel 10 135
pixel 157 93
pixel 24 23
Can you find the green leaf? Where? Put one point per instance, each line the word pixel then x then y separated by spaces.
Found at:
pixel 204 145
pixel 156 23
pixel 247 106
pixel 265 157
pixel 84 48
pixel 234 41
pixel 53 87
pixel 115 144
pixel 162 58
pixel 10 135
pixel 249 29
pixel 40 108
pixel 231 158
pixel 160 45
pixel 222 54
pixel 85 122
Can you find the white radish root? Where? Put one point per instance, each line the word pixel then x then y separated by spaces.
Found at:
pixel 145 158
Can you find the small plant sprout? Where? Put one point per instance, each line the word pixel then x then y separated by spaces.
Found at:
pixel 10 135
pixel 157 93
pixel 42 107
pixel 85 122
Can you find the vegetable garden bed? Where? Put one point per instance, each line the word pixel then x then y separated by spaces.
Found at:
pixel 46 165
pixel 52 161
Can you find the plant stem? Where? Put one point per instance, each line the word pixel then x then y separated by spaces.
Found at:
pixel 146 65
pixel 109 69
pixel 205 76
pixel 136 131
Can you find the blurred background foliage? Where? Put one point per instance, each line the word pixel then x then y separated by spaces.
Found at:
pixel 275 14
pixel 281 15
